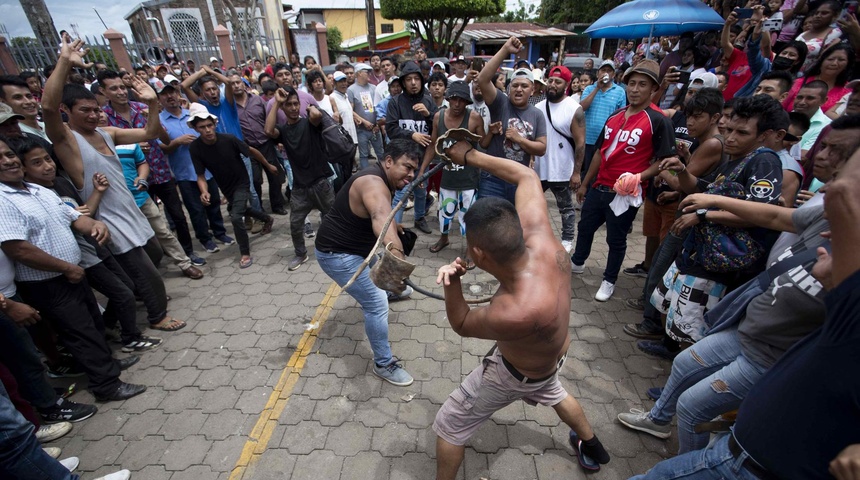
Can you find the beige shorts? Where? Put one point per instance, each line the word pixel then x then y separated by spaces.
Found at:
pixel 488 388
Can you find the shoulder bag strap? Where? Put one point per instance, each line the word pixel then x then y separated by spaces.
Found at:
pixel 549 119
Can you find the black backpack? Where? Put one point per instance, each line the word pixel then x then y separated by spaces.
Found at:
pixel 339 148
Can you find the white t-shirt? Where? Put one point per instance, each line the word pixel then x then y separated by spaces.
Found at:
pixel 380 92
pixel 557 164
pixel 7 275
pixel 325 105
pixel 344 107
pixel 481 109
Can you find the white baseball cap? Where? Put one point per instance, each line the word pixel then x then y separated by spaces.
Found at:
pixel 338 76
pixel 199 111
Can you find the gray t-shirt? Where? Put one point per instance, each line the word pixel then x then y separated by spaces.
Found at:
pixel 361 99
pixel 529 121
pixel 128 227
pixel 792 306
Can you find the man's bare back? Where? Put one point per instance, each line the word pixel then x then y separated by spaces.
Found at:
pixel 529 315
pixel 541 297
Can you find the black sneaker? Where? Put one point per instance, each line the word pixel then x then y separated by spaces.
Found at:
pixel 123 392
pixel 637 270
pixel 67 411
pixel 141 344
pixel 67 369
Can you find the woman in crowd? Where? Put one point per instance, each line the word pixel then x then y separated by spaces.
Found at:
pixel 819 32
pixel 834 68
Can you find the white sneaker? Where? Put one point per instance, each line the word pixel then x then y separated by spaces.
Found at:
pixel 50 432
pixel 567 244
pixel 120 475
pixel 577 269
pixel 52 452
pixel 70 463
pixel 606 290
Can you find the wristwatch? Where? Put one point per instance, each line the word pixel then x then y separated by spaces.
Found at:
pixel 702 214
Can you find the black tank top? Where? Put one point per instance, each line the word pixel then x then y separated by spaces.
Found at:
pixel 341 230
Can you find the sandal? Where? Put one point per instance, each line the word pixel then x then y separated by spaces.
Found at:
pixel 171 326
pixel 438 246
pixel 246 264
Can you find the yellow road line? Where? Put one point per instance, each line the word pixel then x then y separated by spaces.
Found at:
pixel 259 438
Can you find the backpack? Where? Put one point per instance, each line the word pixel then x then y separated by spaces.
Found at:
pixel 338 147
pixel 719 248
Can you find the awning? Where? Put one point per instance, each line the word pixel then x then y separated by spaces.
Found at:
pixel 360 41
pixel 490 32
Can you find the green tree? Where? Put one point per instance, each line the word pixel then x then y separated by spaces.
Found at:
pixel 576 11
pixel 441 21
pixel 522 14
pixel 29 53
pixel 333 40
pixel 102 55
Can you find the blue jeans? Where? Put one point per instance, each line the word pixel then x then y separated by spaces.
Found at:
pixel 373 300
pixel 710 378
pixel 492 186
pixel 21 456
pixel 714 462
pixel 202 217
pixel 595 212
pixel 420 196
pixel 366 139
pixel 564 201
pixel 664 256
pixel 255 200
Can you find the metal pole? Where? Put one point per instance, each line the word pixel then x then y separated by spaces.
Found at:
pixel 100 18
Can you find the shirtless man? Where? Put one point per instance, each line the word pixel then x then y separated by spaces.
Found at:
pixel 528 317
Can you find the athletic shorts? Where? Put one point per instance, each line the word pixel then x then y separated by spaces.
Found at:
pixel 685 299
pixel 488 388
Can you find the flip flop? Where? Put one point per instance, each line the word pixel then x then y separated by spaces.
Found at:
pixel 244 264
pixel 172 326
pixel 585 461
pixel 438 246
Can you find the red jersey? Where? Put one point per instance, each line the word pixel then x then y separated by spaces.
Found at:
pixel 631 144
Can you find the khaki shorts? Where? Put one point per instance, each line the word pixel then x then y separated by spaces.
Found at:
pixel 488 388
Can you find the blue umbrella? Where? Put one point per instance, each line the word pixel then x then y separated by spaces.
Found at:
pixel 647 18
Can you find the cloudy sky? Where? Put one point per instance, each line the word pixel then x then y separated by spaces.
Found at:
pixel 80 12
pixel 67 12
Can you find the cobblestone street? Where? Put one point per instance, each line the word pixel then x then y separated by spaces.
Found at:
pixel 272 379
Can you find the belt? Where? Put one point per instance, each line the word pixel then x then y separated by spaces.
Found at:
pixel 520 377
pixel 603 188
pixel 749 464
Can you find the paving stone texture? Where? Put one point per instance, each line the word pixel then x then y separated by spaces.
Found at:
pixel 209 382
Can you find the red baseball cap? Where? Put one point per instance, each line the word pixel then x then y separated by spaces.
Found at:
pixel 560 72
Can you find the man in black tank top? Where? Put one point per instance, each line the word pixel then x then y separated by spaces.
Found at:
pixel 459 183
pixel 348 233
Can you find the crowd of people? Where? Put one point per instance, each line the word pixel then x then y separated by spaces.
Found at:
pixel 726 140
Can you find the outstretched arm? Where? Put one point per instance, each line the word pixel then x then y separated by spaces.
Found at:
pixel 759 214
pixel 485 78
pixel 65 145
pixel 153 130
pixel 529 199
